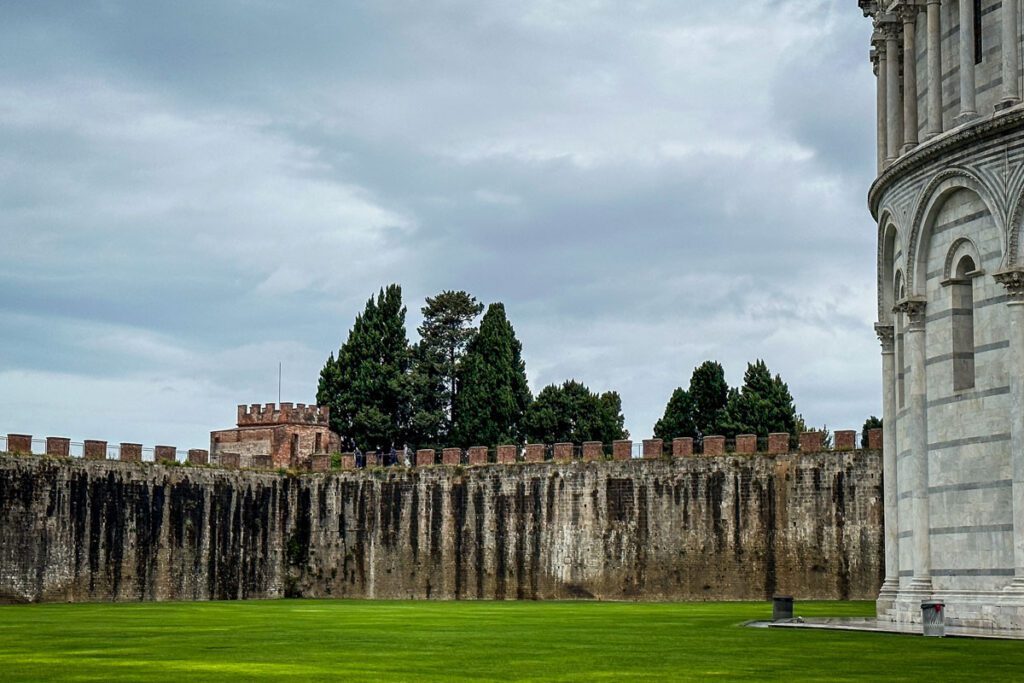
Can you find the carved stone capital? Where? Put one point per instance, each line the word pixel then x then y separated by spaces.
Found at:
pixel 890 26
pixel 914 310
pixel 1013 280
pixel 907 12
pixel 877 46
pixel 887 337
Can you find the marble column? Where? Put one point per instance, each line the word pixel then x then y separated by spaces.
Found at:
pixel 908 15
pixel 917 435
pixel 893 102
pixel 968 104
pixel 890 483
pixel 878 65
pixel 934 68
pixel 1011 54
pixel 1013 280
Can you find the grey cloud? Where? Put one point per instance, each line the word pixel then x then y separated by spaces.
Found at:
pixel 199 190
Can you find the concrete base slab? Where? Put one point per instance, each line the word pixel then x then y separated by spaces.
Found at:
pixel 874 625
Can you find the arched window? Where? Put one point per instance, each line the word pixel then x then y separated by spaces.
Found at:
pixel 962 309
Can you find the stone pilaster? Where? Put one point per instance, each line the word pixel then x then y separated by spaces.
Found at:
pixel 908 15
pixel 878 67
pixel 1011 54
pixel 934 45
pixel 920 584
pixel 1013 280
pixel 891 584
pixel 968 99
pixel 893 98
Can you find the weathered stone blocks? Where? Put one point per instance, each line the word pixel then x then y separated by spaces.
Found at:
pixel 622 449
pixel 318 462
pixel 845 440
pixel 802 529
pixel 424 457
pixel 19 443
pixel 652 449
pixel 682 447
pixel 875 439
pixel 348 461
pixel 714 445
pixel 778 443
pixel 507 454
pixel 261 461
pixel 534 452
pixel 131 452
pixel 58 446
pixel 93 449
pixel 230 460
pixel 201 456
pixel 563 452
pixel 746 444
pixel 451 456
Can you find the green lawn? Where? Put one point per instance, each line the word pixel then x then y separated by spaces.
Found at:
pixel 351 640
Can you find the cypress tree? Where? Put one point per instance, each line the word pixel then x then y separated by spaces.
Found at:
pixel 678 417
pixel 763 405
pixel 367 385
pixel 709 394
pixel 493 393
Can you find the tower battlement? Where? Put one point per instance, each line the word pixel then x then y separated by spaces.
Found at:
pixel 285 413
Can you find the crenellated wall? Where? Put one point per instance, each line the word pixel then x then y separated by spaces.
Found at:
pixel 698 528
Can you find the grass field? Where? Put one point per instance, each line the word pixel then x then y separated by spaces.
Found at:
pixel 321 639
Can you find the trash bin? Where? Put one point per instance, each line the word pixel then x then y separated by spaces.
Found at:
pixel 782 607
pixel 933 618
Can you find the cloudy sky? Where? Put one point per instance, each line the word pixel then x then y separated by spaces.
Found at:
pixel 193 191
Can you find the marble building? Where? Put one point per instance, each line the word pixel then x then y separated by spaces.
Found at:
pixel 948 205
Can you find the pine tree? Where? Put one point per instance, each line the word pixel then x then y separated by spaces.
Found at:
pixel 446 330
pixel 570 412
pixel 367 385
pixel 428 425
pixel 493 393
pixel 678 418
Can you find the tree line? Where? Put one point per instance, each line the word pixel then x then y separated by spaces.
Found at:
pixel 464 384
pixel 762 405
pixel 461 384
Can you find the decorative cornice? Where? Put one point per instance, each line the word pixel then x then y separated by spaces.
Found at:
pixel 973 133
pixel 886 336
pixel 1013 280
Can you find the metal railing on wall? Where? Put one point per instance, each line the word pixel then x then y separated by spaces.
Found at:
pixel 76 449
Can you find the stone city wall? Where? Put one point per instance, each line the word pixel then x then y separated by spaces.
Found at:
pixel 710 528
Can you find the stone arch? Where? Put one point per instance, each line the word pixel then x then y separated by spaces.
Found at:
pixel 929 202
pixel 889 244
pixel 962 246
